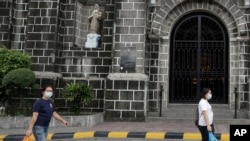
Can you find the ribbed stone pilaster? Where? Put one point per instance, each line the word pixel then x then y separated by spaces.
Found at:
pixel 242 70
pixel 20 14
pixel 5 20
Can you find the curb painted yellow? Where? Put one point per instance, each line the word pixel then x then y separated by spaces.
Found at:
pixel 49 137
pixel 192 136
pixel 155 135
pixel 122 135
pixel 118 135
pixel 83 135
pixel 225 137
pixel 2 137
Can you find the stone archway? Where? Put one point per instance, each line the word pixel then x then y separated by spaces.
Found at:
pixel 171 11
pixel 198 54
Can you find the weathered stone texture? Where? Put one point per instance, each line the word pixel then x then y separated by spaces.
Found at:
pixel 125 97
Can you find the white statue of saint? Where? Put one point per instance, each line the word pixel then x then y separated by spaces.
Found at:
pixel 95 20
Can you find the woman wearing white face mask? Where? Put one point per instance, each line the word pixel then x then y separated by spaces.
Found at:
pixel 43 110
pixel 205 114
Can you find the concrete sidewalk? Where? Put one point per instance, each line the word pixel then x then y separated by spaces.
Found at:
pixel 147 130
pixel 131 126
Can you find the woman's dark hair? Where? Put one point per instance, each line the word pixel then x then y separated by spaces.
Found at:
pixel 204 92
pixel 45 87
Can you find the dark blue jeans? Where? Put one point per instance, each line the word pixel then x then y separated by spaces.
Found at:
pixel 204 132
pixel 40 133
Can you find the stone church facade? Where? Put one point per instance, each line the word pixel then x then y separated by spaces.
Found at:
pixel 180 46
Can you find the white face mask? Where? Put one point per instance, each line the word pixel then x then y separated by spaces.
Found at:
pixel 48 94
pixel 209 96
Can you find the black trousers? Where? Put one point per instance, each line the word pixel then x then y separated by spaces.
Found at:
pixel 204 132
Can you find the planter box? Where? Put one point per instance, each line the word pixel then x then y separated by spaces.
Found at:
pixel 89 120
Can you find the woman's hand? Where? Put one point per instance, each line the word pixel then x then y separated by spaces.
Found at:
pixel 58 117
pixel 29 132
pixel 209 128
pixel 65 122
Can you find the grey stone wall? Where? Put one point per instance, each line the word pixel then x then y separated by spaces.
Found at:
pixel 152 69
pixel 95 106
pixel 20 13
pixel 125 97
pixel 82 24
pixel 54 33
pixel 73 59
pixel 235 18
pixel 42 33
pixel 130 30
pixel 66 25
pixel 5 22
pixel 47 32
pixel 77 63
pixel 244 67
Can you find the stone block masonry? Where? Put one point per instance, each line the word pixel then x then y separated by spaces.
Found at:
pixel 19 23
pixel 125 96
pixel 48 31
pixel 130 31
pixel 73 59
pixel 42 34
pixel 5 22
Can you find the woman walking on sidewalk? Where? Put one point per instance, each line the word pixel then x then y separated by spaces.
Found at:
pixel 43 110
pixel 205 123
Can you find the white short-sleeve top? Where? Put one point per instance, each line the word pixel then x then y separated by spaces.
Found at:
pixel 205 106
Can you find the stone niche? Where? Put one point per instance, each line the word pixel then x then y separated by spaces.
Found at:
pixel 126 97
pixel 82 12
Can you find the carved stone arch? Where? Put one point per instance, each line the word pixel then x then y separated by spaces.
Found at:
pixel 168 15
pixel 226 10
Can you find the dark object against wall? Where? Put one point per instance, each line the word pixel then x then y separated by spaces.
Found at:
pixel 128 59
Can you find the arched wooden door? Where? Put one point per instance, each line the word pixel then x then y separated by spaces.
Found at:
pixel 199 58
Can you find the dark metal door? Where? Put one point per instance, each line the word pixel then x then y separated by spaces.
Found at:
pixel 199 59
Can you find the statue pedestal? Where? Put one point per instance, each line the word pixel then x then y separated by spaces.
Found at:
pixel 92 40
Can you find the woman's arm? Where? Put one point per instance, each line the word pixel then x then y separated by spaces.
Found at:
pixel 58 117
pixel 32 123
pixel 207 120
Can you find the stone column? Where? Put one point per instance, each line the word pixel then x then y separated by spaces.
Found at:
pixel 5 19
pixel 243 71
pixel 19 23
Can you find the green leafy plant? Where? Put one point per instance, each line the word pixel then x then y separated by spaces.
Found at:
pixel 78 94
pixel 19 78
pixel 20 82
pixel 10 60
